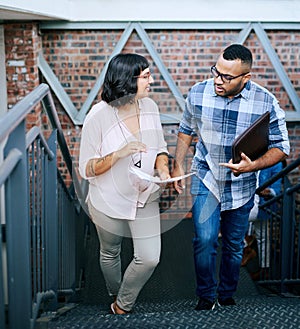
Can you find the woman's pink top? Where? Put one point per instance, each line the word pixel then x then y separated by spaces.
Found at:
pixel 118 192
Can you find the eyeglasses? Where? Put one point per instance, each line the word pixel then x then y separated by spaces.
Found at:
pixel 224 77
pixel 145 76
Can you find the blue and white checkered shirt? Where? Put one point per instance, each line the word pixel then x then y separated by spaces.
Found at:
pixel 217 121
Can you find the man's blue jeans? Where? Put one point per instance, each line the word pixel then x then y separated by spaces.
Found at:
pixel 208 221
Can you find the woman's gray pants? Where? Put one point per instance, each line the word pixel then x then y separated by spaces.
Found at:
pixel 145 233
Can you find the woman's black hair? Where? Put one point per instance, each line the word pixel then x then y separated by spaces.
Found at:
pixel 237 51
pixel 120 82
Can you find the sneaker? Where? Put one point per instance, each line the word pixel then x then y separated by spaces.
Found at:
pixel 226 302
pixel 204 304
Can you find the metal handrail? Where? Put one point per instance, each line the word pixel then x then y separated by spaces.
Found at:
pixel 41 215
pixel 286 223
pixel 18 113
pixel 9 164
pixel 279 175
pixel 53 117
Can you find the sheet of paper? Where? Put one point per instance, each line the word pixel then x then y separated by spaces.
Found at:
pixel 156 179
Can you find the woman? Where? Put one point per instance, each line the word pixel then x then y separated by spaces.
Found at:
pixel 122 134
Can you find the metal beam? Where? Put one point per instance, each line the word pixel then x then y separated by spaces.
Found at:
pixel 106 25
pixel 243 35
pixel 57 88
pixel 262 36
pixel 163 70
pixel 94 92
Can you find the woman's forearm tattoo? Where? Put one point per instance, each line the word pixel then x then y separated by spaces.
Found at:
pixel 91 169
pixel 95 162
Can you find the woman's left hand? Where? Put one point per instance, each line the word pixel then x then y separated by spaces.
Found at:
pixel 163 173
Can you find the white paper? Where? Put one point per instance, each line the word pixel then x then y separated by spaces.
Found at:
pixel 156 179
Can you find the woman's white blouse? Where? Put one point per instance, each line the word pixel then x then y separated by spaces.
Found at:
pixel 118 192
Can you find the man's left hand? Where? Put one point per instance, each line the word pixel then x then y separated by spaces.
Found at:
pixel 245 165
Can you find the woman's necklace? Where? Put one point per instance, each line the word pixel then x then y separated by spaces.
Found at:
pixel 139 162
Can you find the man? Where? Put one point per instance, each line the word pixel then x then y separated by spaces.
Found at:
pixel 218 110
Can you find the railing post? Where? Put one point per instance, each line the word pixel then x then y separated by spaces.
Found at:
pixel 287 229
pixel 51 223
pixel 18 236
pixel 2 313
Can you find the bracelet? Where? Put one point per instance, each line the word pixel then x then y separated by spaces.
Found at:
pixel 163 153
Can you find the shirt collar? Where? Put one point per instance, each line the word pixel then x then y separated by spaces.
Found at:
pixel 245 93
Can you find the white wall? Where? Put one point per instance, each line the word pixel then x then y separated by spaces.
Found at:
pixel 187 10
pixel 52 8
pixel 163 10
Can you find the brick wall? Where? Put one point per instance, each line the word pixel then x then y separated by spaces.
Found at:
pixel 77 58
pixel 22 45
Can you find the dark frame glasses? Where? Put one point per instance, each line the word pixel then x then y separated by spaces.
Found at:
pixel 224 77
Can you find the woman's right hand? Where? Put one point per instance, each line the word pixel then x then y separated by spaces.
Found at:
pixel 131 148
pixel 180 184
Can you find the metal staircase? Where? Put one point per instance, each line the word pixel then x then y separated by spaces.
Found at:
pixel 49 257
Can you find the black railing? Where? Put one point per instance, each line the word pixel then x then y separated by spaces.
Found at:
pixel 281 229
pixel 44 225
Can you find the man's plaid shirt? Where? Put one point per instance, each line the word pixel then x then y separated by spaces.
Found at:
pixel 217 121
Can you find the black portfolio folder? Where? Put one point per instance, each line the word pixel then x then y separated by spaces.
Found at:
pixel 253 141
